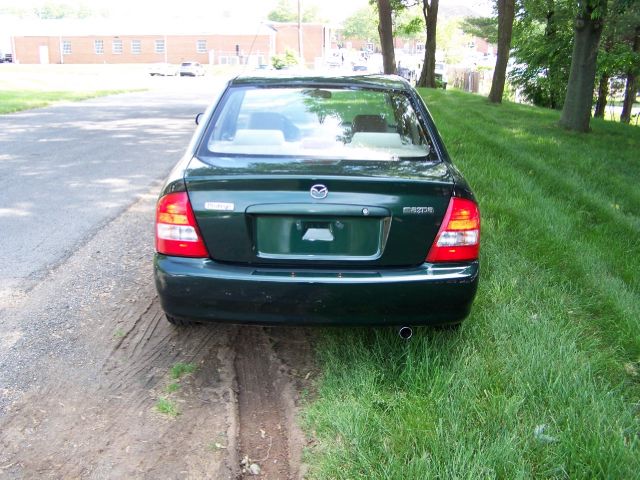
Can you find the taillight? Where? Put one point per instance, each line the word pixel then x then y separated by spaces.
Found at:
pixel 176 229
pixel 459 236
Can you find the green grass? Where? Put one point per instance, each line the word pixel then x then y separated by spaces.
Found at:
pixel 167 407
pixel 173 387
pixel 16 100
pixel 165 404
pixel 542 379
pixel 179 369
pixel 119 333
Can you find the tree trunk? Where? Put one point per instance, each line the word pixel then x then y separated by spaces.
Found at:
pixel 550 32
pixel 506 12
pixel 603 92
pixel 428 73
pixel 576 112
pixel 632 85
pixel 629 98
pixel 385 29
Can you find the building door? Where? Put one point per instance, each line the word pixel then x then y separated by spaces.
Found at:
pixel 44 54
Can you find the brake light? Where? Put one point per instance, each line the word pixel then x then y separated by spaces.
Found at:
pixel 459 235
pixel 176 229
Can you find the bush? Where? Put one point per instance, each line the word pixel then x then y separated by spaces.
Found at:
pixel 282 61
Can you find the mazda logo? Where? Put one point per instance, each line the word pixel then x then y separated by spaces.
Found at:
pixel 319 191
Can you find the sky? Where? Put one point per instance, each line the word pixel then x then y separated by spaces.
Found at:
pixel 251 10
pixel 149 9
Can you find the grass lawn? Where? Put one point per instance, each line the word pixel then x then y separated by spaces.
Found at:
pixel 543 379
pixel 16 100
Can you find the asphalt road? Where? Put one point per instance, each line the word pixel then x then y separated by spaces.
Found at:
pixel 67 170
pixel 85 350
pixel 69 174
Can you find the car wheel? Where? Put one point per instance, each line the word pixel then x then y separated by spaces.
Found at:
pixel 179 322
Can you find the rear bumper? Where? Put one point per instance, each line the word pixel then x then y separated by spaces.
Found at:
pixel 204 290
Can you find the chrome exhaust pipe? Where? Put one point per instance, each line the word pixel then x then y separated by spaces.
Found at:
pixel 405 332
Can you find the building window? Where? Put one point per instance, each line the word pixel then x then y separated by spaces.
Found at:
pixel 201 46
pixel 66 47
pixel 136 47
pixel 159 46
pixel 116 47
pixel 98 47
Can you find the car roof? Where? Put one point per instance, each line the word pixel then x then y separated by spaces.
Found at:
pixel 282 79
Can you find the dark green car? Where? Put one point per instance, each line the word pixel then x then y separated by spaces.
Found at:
pixel 317 201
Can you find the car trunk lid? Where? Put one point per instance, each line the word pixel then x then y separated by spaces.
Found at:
pixel 371 213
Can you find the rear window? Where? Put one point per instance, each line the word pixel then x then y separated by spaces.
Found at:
pixel 331 123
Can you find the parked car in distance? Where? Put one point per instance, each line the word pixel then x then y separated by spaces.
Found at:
pixel 191 69
pixel 317 200
pixel 406 73
pixel 163 69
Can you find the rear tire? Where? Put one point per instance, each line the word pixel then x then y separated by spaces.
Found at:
pixel 179 322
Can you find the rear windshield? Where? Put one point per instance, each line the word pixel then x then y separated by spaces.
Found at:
pixel 330 123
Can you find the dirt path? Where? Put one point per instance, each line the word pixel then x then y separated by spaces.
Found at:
pixel 85 403
pixel 269 440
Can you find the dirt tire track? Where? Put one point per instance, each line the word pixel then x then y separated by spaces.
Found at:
pixel 111 430
pixel 267 406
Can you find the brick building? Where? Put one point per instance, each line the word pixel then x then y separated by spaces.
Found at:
pixel 64 41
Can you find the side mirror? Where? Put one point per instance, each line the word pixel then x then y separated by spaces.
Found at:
pixel 198 116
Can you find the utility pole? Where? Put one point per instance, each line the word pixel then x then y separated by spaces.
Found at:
pixel 14 56
pixel 300 52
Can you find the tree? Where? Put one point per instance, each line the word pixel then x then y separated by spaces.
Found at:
pixel 58 10
pixel 602 94
pixel 605 70
pixel 506 12
pixel 363 24
pixel 576 111
pixel 385 30
pixel 452 40
pixel 406 23
pixel 616 58
pixel 542 39
pixel 392 13
pixel 285 11
pixel 430 14
pixel 632 80
pixel 481 27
